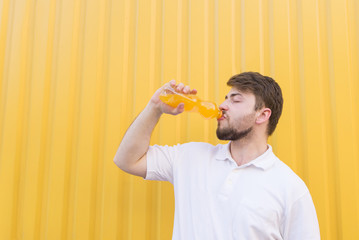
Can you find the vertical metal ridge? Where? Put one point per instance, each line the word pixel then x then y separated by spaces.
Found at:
pixel 134 70
pixel 179 42
pixel 189 43
pixel 47 119
pixel 329 231
pixel 292 83
pixel 261 37
pixel 158 211
pixel 216 56
pixel 189 62
pixel 233 35
pixel 266 46
pixel 3 36
pixel 291 72
pixel 178 128
pixel 124 232
pixel 96 211
pixel 125 55
pixel 216 53
pixel 347 37
pixel 272 62
pixel 355 43
pixel 356 19
pixel 323 47
pixel 162 41
pixel 152 59
pixel 242 39
pixel 6 43
pixel 206 64
pixel 5 29
pixel 124 109
pixel 46 210
pixel 161 75
pixel 303 170
pixel 154 218
pixel 73 122
pixel 271 37
pixel 334 149
pixel 353 97
pixel 73 90
pixel 354 30
pixel 23 118
pixel 206 49
pixel 352 76
pixel 321 105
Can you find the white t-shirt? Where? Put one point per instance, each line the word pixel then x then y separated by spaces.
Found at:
pixel 216 199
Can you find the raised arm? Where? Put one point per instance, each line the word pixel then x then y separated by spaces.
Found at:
pixel 131 154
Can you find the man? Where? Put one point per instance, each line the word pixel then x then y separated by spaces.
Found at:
pixel 239 190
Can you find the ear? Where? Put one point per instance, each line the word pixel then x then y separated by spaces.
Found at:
pixel 263 115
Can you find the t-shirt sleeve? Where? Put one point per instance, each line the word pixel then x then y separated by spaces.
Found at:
pixel 160 160
pixel 301 221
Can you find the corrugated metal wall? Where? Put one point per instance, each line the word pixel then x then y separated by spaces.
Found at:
pixel 75 73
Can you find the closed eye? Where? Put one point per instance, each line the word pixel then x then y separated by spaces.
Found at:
pixel 236 100
pixel 235 97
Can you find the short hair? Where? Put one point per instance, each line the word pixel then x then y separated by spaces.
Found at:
pixel 266 91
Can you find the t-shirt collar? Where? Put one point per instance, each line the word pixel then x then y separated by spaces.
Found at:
pixel 264 161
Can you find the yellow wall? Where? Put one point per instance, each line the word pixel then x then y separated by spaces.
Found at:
pixel 75 73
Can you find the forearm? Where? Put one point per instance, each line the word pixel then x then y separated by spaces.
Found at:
pixel 131 154
pixel 136 140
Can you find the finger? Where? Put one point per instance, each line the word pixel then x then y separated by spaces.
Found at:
pixel 180 87
pixel 186 89
pixel 177 110
pixel 180 108
pixel 173 82
pixel 193 91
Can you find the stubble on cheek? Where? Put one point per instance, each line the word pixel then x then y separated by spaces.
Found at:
pixel 235 131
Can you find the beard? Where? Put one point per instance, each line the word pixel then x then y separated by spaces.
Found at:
pixel 232 134
pixel 236 132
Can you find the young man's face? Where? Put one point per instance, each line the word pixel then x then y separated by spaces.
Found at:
pixel 238 117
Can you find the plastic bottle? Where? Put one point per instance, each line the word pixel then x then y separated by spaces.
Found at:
pixel 191 103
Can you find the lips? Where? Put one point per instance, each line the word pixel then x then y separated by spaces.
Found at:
pixel 221 118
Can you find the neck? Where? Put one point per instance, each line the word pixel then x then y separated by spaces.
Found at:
pixel 245 150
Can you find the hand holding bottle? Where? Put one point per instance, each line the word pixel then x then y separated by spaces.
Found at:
pixel 165 108
pixel 181 98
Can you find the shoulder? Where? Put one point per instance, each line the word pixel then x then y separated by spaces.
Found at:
pixel 290 183
pixel 289 173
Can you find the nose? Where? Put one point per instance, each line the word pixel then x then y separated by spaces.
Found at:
pixel 223 106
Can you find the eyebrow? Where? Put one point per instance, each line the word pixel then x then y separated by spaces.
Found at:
pixel 233 95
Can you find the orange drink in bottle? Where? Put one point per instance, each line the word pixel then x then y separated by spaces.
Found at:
pixel 191 103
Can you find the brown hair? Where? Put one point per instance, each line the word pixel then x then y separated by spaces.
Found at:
pixel 266 91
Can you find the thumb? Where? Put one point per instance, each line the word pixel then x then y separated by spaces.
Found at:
pixel 179 109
